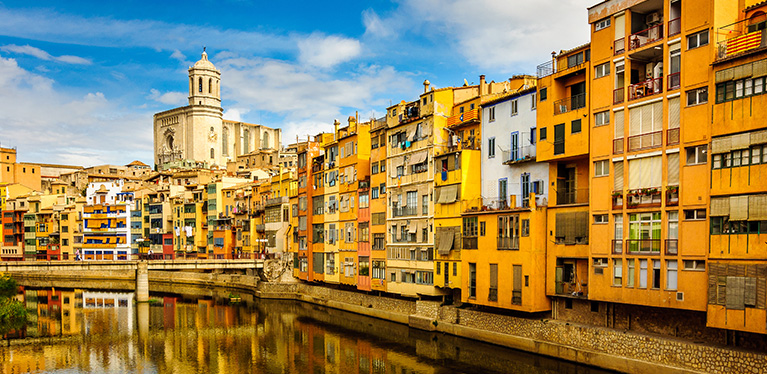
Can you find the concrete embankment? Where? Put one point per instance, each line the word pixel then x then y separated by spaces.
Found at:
pixel 605 348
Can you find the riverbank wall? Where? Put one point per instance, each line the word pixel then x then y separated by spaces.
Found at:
pixel 606 348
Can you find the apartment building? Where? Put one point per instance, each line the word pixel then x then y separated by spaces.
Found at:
pixel 378 204
pixel 106 222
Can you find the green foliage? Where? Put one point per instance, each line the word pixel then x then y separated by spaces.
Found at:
pixel 13 315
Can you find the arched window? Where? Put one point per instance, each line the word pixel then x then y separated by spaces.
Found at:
pixel 200 83
pixel 225 142
pixel 265 141
pixel 212 153
pixel 210 85
pixel 191 85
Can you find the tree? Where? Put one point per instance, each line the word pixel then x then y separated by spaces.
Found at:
pixel 13 315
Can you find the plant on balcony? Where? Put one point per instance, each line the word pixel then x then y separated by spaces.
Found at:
pixel 649 191
pixel 672 189
pixel 617 194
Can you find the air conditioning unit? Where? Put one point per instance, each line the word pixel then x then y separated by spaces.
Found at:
pixel 653 18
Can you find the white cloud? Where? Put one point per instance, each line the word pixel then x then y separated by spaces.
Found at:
pixel 490 34
pixel 177 55
pixel 43 55
pixel 54 126
pixel 327 51
pixel 170 98
pixel 235 114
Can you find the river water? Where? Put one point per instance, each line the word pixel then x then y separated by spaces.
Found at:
pixel 90 331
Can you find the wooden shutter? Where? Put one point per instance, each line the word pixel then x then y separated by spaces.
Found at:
pixel 712 289
pixel 517 274
pixel 634 174
pixel 673 113
pixel 757 207
pixel 493 275
pixel 720 206
pixel 758 137
pixel 749 292
pixel 560 225
pixel 742 71
pixel 657 116
pixel 738 208
pixel 673 169
pixel 740 141
pixel 618 175
pixel 620 124
pixel 721 145
pixel 581 224
pixel 759 68
pixel 635 121
pixel 735 293
pixel 724 75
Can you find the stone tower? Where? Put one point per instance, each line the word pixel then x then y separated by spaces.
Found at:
pixel 204 83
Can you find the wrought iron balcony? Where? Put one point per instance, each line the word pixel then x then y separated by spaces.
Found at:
pixel 569 104
pixel 645 141
pixel 643 246
pixel 646 36
pixel 647 88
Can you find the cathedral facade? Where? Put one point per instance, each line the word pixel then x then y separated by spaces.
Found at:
pixel 197 134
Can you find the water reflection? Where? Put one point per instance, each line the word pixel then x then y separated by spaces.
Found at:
pixel 93 331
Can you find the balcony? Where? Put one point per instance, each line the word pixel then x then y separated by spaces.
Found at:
pixel 672 195
pixel 573 196
pixel 569 104
pixel 470 242
pixel 644 198
pixel 740 38
pixel 645 141
pixel 617 199
pixel 672 136
pixel 471 116
pixel 508 243
pixel 674 26
pixel 562 65
pixel 277 201
pixel 643 246
pixel 647 88
pixel 672 247
pixel 646 36
pixel 674 81
pixel 404 211
pixel 619 95
pixel 410 113
pixel 618 146
pixel 571 289
pixel 519 155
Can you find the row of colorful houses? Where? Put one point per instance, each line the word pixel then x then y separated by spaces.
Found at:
pixel 609 188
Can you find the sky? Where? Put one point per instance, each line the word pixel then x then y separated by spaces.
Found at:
pixel 80 80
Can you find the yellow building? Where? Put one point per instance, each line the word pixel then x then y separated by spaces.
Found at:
pixel 12 171
pixel 378 205
pixel 330 211
pixel 563 141
pixel 737 271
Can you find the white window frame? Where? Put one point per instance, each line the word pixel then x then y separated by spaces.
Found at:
pixel 694 265
pixel 534 102
pixel 695 214
pixel 698 96
pixel 602 24
pixel 602 70
pixel 514 107
pixel 672 283
pixel 491 114
pixel 617 272
pixel 601 168
pixel 693 41
pixel 700 153
pixel 602 118
pixel 491 147
pixel 601 219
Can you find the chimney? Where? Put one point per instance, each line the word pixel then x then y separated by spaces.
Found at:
pixel 426 85
pixel 482 85
pixel 335 125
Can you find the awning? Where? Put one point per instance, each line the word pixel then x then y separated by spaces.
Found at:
pixel 448 194
pixel 445 242
pixel 412 227
pixel 417 158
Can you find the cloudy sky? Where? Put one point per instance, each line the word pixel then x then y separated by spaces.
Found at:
pixel 80 80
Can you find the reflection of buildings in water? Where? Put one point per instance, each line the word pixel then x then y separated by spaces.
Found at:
pixel 97 318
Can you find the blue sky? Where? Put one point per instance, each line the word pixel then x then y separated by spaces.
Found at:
pixel 82 79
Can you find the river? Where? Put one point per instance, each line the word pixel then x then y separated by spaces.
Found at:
pixel 91 331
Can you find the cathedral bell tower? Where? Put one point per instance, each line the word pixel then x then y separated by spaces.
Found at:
pixel 204 83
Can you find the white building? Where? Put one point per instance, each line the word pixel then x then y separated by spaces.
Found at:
pixel 107 222
pixel 508 157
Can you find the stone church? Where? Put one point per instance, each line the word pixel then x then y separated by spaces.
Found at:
pixel 197 134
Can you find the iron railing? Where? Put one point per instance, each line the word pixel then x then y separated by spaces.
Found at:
pixel 619 46
pixel 569 104
pixel 645 141
pixel 672 246
pixel 646 88
pixel 619 95
pixel 674 81
pixel 643 246
pixel 674 26
pixel 646 36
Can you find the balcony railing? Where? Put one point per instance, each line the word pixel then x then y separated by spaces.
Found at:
pixel 739 40
pixel 573 196
pixel 618 145
pixel 545 69
pixel 617 246
pixel 562 65
pixel 645 141
pixel 672 246
pixel 569 104
pixel 672 195
pixel 511 243
pixel 619 46
pixel 646 88
pixel 674 81
pixel 645 37
pixel 404 211
pixel 468 116
pixel 619 95
pixel 674 26
pixel 520 154
pixel 672 136
pixel 644 197
pixel 643 246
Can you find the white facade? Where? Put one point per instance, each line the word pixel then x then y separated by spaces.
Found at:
pixel 510 135
pixel 99 241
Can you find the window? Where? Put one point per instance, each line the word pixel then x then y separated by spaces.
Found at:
pixel 601 168
pixel 514 107
pixel 532 135
pixel 575 126
pixel 525 227
pixel 602 118
pixel 374 193
pixel 696 155
pixel 697 40
pixel 533 101
pixel 602 70
pixel 425 204
pixel 617 272
pixel 491 114
pixel 697 96
pixel 695 214
pixel 697 265
pixel 482 228
pixel 543 133
pixel 655 273
pixel 671 275
pixel 601 219
pixel 543 94
pixel 491 147
pixel 374 168
pixel 602 24
pixel 472 280
pixel 383 188
pixel 630 266
pixel 642 273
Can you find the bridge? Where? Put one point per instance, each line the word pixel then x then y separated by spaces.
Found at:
pixel 135 270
